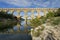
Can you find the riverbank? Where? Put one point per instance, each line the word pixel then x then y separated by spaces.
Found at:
pixel 51 30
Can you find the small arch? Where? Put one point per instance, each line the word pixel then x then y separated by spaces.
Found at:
pixel 15 13
pixel 41 13
pixel 35 13
pixel 29 13
pixel 22 13
pixel 8 12
pixel 29 18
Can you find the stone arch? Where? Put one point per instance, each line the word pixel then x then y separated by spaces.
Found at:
pixel 35 13
pixel 29 13
pixel 41 13
pixel 15 13
pixel 22 16
pixel 22 13
pixel 9 12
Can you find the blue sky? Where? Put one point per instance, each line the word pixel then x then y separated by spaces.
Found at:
pixel 29 3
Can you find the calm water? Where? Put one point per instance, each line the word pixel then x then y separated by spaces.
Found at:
pixel 16 30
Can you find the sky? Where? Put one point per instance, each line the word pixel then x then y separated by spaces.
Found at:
pixel 29 3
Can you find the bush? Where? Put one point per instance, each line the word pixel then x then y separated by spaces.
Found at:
pixel 50 15
pixel 56 21
pixel 35 22
pixel 57 13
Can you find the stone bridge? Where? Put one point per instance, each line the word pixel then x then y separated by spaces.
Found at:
pixel 26 10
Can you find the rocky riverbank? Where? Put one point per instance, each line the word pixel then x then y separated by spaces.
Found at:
pixel 49 32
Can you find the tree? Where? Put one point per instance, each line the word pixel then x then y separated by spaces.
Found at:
pixel 35 22
pixel 5 15
pixel 50 14
pixel 57 13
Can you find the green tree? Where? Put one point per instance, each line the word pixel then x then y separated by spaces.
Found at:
pixel 35 22
pixel 50 15
pixel 57 13
pixel 55 21
pixel 5 15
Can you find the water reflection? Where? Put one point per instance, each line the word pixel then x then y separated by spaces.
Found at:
pixel 14 27
pixel 15 31
pixel 5 26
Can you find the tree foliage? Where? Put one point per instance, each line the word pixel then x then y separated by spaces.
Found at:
pixel 5 15
pixel 57 13
pixel 54 17
pixel 50 15
pixel 55 21
pixel 35 22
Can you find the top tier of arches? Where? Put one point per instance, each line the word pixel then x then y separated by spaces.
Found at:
pixel 27 9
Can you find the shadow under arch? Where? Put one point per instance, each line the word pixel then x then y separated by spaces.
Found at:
pixel 22 13
pixel 41 13
pixel 29 13
pixel 8 12
pixel 35 14
pixel 22 17
pixel 15 13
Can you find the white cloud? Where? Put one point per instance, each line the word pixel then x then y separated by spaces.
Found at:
pixel 46 4
pixel 56 3
pixel 18 2
pixel 41 3
pixel 37 3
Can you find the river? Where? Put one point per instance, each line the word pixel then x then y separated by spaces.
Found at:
pixel 15 31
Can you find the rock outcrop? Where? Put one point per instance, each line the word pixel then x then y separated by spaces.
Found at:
pixel 49 32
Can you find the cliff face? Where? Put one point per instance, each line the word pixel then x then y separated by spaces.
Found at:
pixel 49 32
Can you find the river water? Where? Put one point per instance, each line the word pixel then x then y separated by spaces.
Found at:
pixel 15 31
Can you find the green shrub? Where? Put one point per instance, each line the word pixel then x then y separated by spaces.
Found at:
pixel 57 13
pixel 35 22
pixel 36 34
pixel 56 21
pixel 50 15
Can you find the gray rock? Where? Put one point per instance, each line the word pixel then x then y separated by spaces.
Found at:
pixel 49 37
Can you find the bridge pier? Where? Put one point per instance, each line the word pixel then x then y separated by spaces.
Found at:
pixel 25 16
pixel 18 16
pixel 38 11
pixel 44 13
